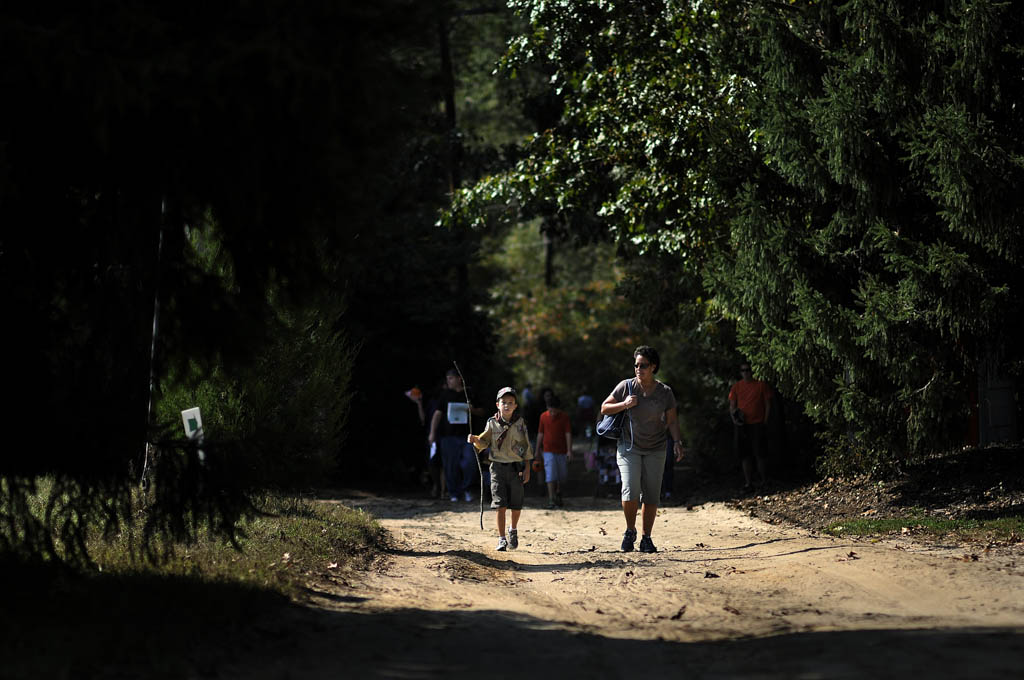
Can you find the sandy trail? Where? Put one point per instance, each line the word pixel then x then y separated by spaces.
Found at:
pixel 726 596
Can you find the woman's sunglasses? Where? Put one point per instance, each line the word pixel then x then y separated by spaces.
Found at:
pixel 641 366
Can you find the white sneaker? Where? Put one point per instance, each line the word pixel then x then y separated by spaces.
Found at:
pixel 469 497
pixel 502 544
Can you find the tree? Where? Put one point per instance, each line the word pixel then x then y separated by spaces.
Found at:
pixel 834 178
pixel 276 125
pixel 891 139
pixel 646 127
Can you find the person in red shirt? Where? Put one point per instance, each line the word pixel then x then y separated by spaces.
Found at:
pixel 750 406
pixel 554 440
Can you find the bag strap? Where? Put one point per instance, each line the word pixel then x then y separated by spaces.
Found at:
pixel 629 388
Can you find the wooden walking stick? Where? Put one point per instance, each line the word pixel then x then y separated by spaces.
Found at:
pixel 476 454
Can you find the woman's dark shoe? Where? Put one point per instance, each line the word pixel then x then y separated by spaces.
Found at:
pixel 646 545
pixel 628 539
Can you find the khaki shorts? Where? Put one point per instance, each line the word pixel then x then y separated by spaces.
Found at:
pixel 506 486
pixel 641 471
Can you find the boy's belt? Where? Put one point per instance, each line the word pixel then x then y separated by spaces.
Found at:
pixel 519 465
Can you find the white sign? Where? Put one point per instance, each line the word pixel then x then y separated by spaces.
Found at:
pixel 193 423
pixel 458 413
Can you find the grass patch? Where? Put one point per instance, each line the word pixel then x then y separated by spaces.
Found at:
pixel 1004 529
pixel 204 606
pixel 291 542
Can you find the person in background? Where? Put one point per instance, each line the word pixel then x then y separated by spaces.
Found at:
pixel 457 455
pixel 527 399
pixel 585 415
pixel 750 407
pixel 668 479
pixel 554 440
pixel 533 425
pixel 438 487
pixel 415 395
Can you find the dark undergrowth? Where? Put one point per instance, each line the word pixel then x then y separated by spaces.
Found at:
pixel 204 606
pixel 972 495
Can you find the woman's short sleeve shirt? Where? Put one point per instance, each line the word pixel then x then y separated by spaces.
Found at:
pixel 647 418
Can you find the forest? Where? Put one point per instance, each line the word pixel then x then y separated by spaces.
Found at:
pixel 290 213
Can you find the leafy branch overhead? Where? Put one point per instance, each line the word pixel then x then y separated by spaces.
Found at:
pixel 642 112
pixel 839 178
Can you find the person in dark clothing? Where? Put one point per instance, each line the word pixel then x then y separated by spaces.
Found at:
pixel 449 428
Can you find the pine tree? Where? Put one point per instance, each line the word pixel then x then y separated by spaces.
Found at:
pixel 873 258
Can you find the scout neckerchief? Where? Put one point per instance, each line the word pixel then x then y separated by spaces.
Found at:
pixel 505 426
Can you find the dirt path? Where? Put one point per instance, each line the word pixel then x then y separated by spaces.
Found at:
pixel 726 596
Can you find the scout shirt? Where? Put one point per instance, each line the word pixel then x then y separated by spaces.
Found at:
pixel 515 448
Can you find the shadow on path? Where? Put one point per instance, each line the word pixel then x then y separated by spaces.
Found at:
pixel 611 559
pixel 472 644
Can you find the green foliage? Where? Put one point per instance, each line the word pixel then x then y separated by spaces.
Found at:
pixel 642 116
pixel 489 116
pixel 570 335
pixel 313 534
pixel 696 342
pixel 580 332
pixel 288 410
pixel 883 205
pixel 645 122
pixel 919 524
pixel 284 541
pixel 836 179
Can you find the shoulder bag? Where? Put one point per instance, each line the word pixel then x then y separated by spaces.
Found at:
pixel 611 426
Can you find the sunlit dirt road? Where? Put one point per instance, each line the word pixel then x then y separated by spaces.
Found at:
pixel 726 596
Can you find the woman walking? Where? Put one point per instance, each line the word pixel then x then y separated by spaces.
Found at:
pixel 651 413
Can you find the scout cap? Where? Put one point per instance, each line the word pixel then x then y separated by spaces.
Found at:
pixel 506 390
